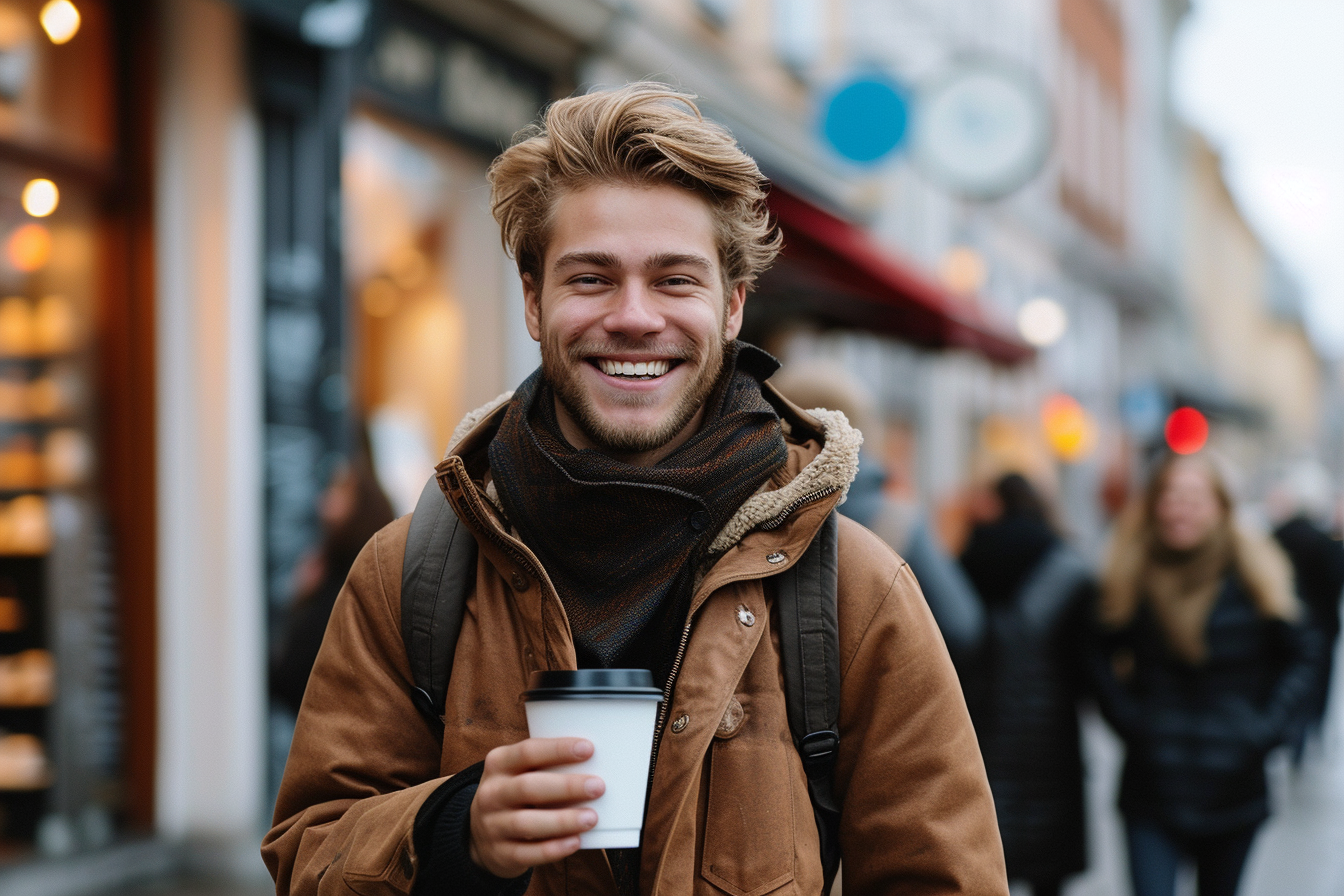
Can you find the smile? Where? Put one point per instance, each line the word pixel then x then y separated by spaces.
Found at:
pixel 636 369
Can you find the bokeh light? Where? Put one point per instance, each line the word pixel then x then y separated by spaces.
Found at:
pixel 29 248
pixel 1187 431
pixel 60 19
pixel 379 298
pixel 40 197
pixel 963 270
pixel 1069 430
pixel 1042 321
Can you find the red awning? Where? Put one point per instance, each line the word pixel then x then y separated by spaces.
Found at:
pixel 833 271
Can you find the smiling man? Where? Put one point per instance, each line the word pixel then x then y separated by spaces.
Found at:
pixel 633 501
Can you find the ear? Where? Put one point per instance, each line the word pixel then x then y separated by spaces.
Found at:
pixel 532 306
pixel 732 323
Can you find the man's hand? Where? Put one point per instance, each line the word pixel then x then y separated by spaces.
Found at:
pixel 525 815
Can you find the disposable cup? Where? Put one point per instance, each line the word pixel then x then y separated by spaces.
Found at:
pixel 616 709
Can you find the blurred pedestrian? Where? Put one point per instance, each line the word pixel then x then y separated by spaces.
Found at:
pixel 899 521
pixel 1301 505
pixel 1023 682
pixel 1203 667
pixel 352 508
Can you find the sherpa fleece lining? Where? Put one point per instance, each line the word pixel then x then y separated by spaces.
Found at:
pixel 833 469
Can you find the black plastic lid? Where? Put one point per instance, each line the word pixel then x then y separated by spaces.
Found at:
pixel 586 684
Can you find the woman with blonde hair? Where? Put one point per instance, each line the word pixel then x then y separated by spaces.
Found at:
pixel 1203 668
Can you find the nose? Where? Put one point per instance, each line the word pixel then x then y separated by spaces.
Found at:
pixel 634 312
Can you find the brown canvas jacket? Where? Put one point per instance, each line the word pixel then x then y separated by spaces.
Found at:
pixel 728 810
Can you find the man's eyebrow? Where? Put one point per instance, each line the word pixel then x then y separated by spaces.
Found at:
pixel 653 263
pixel 593 259
pixel 679 259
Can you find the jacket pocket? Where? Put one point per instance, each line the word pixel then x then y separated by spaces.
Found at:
pixel 384 871
pixel 749 824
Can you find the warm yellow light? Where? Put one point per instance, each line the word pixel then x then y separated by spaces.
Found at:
pixel 379 298
pixel 408 267
pixel 60 19
pixel 40 197
pixel 963 270
pixel 29 247
pixel 1069 430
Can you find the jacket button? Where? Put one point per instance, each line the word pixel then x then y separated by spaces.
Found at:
pixel 732 719
pixel 745 616
pixel 519 581
pixel 776 557
pixel 407 866
pixel 699 520
pixel 679 725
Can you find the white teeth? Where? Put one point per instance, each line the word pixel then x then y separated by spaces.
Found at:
pixel 634 368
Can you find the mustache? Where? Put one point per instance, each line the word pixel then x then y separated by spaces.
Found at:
pixel 583 350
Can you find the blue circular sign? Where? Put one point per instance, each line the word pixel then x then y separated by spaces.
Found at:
pixel 866 119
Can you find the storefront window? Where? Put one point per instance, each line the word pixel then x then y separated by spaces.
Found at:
pixel 60 711
pixel 57 97
pixel 425 274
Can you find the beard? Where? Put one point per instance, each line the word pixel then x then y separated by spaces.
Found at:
pixel 560 367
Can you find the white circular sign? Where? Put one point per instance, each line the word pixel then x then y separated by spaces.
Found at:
pixel 983 130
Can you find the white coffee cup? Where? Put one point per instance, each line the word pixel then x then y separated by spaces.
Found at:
pixel 616 710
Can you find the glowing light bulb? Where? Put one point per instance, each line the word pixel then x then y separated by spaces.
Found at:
pixel 60 19
pixel 1069 429
pixel 1042 322
pixel 29 248
pixel 40 197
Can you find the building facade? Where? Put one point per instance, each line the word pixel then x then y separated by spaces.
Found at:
pixel 294 248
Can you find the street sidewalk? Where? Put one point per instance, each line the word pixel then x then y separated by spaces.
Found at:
pixel 185 886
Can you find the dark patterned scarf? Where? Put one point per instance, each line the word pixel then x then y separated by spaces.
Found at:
pixel 622 543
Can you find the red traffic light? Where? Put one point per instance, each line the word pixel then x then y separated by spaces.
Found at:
pixel 1187 431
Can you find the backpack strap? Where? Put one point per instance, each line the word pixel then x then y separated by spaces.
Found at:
pixel 809 640
pixel 437 573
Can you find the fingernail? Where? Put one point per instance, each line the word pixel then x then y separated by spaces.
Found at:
pixel 587 818
pixel 583 749
pixel 594 787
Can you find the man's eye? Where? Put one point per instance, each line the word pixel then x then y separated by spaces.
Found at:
pixel 678 281
pixel 587 280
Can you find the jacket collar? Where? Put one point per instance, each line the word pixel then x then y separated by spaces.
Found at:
pixel 823 461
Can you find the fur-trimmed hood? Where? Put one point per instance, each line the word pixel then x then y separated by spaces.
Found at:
pixel 823 460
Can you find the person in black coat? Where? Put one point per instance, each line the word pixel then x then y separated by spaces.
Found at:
pixel 1203 667
pixel 353 507
pixel 1023 683
pixel 1318 563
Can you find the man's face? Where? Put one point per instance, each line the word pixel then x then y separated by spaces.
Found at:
pixel 632 318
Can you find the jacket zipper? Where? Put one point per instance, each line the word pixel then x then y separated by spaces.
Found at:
pixel 666 705
pixel 773 523
pixel 778 519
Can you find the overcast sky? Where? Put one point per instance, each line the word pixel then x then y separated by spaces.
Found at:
pixel 1264 80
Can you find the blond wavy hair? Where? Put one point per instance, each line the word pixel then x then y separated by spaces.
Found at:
pixel 1264 568
pixel 643 134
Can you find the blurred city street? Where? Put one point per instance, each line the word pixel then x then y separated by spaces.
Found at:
pixel 1071 267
